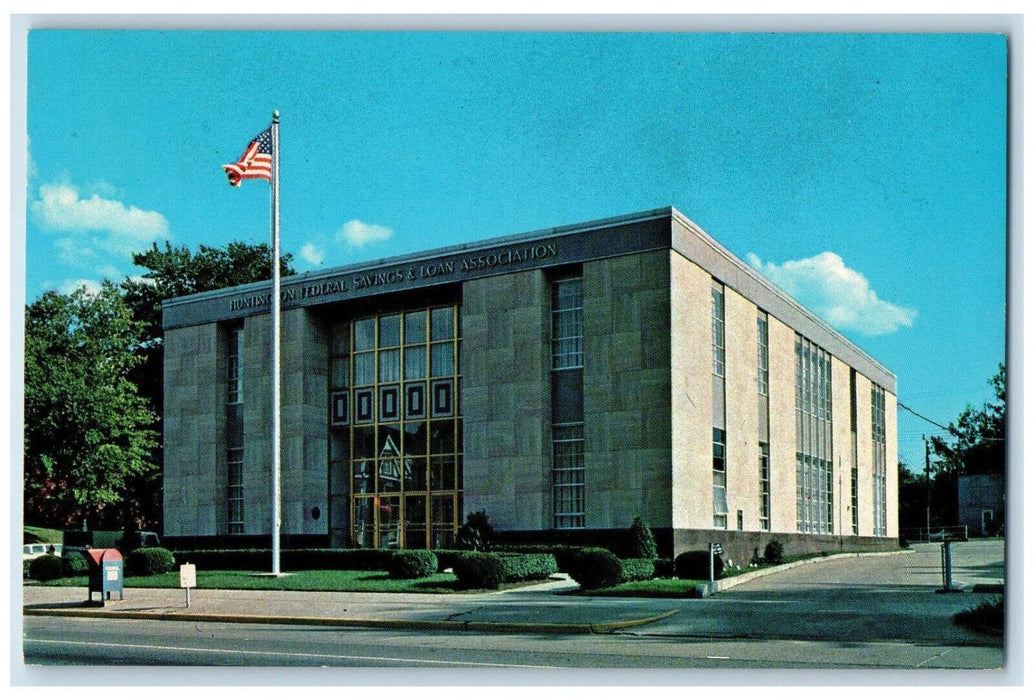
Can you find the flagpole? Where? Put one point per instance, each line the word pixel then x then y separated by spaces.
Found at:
pixel 275 343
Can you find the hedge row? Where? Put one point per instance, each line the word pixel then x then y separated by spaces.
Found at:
pixel 491 570
pixel 290 559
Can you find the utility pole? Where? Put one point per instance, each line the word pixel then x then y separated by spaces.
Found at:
pixel 926 442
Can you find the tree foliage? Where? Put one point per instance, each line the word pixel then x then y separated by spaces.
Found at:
pixel 977 440
pixel 88 432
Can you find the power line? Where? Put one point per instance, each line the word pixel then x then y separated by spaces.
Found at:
pixel 920 415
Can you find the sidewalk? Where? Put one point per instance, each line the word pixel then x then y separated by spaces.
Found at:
pixel 532 609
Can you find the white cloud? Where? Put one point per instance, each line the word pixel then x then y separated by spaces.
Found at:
pixel 359 234
pixel 61 208
pixel 70 286
pixel 312 253
pixel 838 294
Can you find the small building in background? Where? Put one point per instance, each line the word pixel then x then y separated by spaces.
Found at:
pixel 982 504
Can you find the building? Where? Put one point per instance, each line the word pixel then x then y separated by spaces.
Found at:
pixel 562 381
pixel 982 504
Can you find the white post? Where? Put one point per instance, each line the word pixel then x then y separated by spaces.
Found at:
pixel 275 344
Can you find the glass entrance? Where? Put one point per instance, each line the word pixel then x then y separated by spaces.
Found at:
pixel 395 429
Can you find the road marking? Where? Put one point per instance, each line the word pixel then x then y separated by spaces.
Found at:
pixel 342 657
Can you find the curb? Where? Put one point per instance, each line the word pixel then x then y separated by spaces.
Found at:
pixel 442 625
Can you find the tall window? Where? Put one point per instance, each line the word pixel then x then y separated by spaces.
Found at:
pixel 764 487
pixel 717 329
pixel 568 473
pixel 234 431
pixel 719 478
pixel 235 490
pixel 234 378
pixel 814 402
pixel 762 353
pixel 396 453
pixel 764 476
pixel 879 461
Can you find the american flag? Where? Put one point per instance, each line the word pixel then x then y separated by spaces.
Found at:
pixel 257 161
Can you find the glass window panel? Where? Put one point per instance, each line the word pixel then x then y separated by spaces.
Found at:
pixel 389 440
pixel 362 476
pixel 363 368
pixel 388 365
pixel 442 324
pixel 415 474
pixel 389 331
pixel 416 438
pixel 365 444
pixel 441 360
pixel 416 362
pixel 363 334
pixel 389 517
pixel 416 327
pixel 443 436
pixel 443 473
pixel 389 475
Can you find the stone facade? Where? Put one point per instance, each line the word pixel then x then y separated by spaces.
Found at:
pixel 650 398
pixel 506 401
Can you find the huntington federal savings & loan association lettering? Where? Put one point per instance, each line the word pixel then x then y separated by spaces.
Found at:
pixel 464 264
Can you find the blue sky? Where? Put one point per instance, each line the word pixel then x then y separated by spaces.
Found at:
pixel 863 173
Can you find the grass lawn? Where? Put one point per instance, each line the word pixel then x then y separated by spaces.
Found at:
pixel 361 581
pixel 43 534
pixel 656 588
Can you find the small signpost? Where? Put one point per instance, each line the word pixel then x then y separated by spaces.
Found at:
pixel 188 579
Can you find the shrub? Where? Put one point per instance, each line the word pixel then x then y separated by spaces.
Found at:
pixel 774 552
pixel 641 543
pixel 479 571
pixel 45 568
pixel 527 567
pixel 74 564
pixel 595 567
pixel 148 561
pixel 476 534
pixel 640 569
pixel 693 565
pixel 987 616
pixel 664 568
pixel 412 563
pixel 447 557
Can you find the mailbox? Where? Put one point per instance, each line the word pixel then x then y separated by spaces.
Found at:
pixel 105 573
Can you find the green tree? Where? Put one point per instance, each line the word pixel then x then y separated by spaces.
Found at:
pixel 175 272
pixel 88 432
pixel 976 442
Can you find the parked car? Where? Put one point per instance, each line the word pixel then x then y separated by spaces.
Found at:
pixel 32 551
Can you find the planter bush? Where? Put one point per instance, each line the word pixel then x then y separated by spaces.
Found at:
pixel 596 567
pixel 149 561
pixel 693 565
pixel 46 568
pixel 527 567
pixel 412 563
pixel 479 571
pixel 639 569
pixel 74 564
pixel 641 542
pixel 664 568
pixel 774 552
